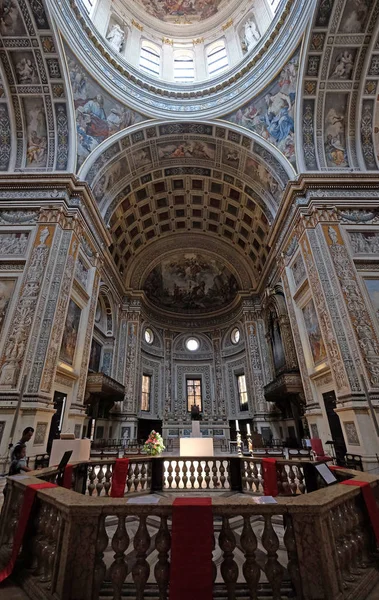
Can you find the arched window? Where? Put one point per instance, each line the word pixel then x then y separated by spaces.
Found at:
pixel 150 58
pixel 184 67
pixel 217 58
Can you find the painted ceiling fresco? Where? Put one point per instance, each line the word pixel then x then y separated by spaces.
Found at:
pixel 98 114
pixel 182 11
pixel 271 113
pixel 193 283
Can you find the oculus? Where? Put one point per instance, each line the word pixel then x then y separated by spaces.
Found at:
pixel 193 283
pixel 192 344
pixel 235 335
pixel 149 336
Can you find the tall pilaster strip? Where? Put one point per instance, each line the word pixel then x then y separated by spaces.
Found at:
pixel 23 318
pixel 359 315
pixel 326 326
pixel 88 338
pixel 132 351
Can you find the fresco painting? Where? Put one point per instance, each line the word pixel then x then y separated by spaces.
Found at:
pixel 6 292
pixel 112 176
pixel 34 111
pixel 98 115
pixel 314 334
pixel 271 113
pixel 11 23
pixel 182 11
pixel 193 149
pixel 334 130
pixel 256 170
pixel 70 333
pixel 25 67
pixel 230 157
pixel 194 282
pixel 355 16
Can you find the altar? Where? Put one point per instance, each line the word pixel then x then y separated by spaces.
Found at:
pixel 196 445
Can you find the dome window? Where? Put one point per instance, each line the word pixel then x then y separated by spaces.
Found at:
pixel 235 336
pixel 149 336
pixel 192 344
pixel 150 58
pixel 217 58
pixel 184 68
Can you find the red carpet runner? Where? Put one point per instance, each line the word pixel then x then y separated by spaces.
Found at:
pixel 270 482
pixel 370 502
pixel 191 549
pixel 26 509
pixel 67 477
pixel 119 475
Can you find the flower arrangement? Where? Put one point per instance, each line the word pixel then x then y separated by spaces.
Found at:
pixel 154 444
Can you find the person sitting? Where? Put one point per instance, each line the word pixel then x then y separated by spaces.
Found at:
pixel 18 463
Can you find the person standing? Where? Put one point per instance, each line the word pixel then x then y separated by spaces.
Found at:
pixel 27 435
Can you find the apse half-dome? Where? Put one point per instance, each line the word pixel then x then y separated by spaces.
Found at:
pixel 193 282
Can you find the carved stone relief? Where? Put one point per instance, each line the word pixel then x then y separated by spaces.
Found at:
pixel 359 315
pixel 351 433
pixel 314 431
pixel 13 243
pixel 19 333
pixel 364 243
pixel 40 434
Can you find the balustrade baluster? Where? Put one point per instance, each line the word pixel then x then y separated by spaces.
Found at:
pixel 136 474
pixel 229 568
pixel 107 482
pixel 273 568
pixel 143 477
pixel 129 480
pixel 200 477
pixel 192 476
pixel 292 482
pixel 301 478
pixel 214 476
pixel 256 480
pixel 141 569
pixel 293 564
pixel 119 568
pixel 177 475
pixel 185 471
pixel 222 474
pixel 282 477
pixel 251 570
pixel 100 477
pixel 162 568
pixel 100 568
pixel 91 477
pixel 170 478
pixel 207 477
pixel 214 566
pixel 249 476
pixel 149 474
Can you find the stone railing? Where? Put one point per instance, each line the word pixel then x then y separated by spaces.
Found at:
pixel 167 473
pixel 313 546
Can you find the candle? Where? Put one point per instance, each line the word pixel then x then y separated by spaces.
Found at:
pixel 248 429
pixel 237 426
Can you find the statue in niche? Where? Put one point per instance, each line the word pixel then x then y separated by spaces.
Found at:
pixel 251 36
pixel 116 37
pixel 276 342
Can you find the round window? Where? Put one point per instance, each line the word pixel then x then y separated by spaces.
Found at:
pixel 236 335
pixel 192 344
pixel 149 336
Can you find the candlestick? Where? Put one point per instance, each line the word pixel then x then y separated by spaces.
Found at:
pixel 248 428
pixel 237 426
